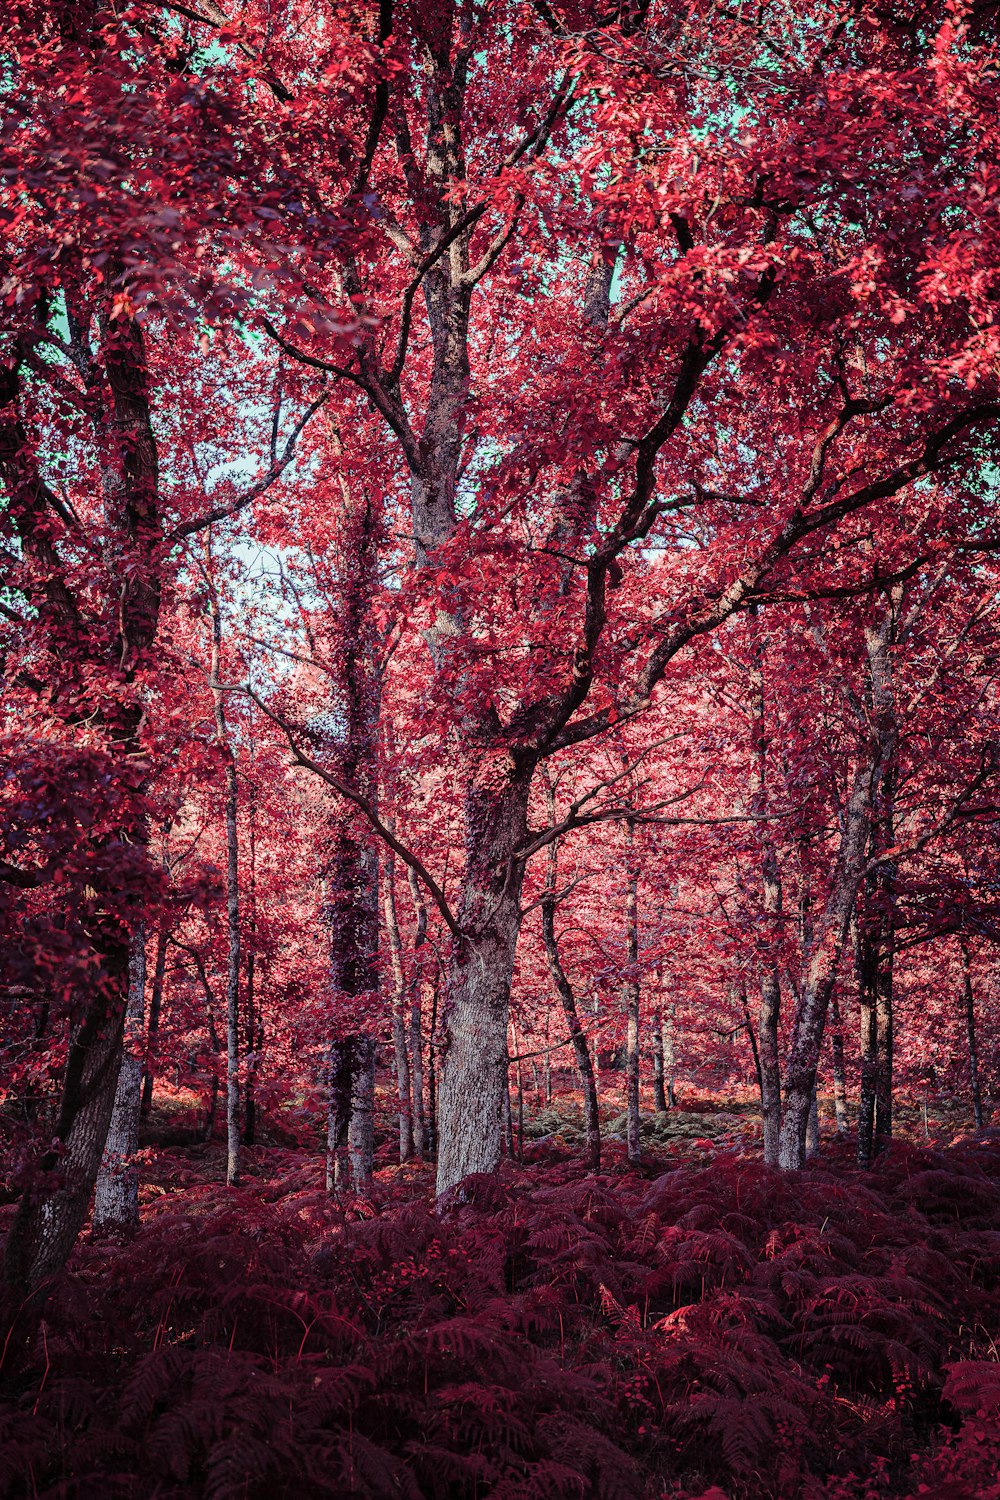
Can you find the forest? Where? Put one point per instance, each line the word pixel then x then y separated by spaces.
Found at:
pixel 499 749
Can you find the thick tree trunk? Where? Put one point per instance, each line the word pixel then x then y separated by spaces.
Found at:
pixel 839 1072
pixel 116 1198
pixel 632 1137
pixel 476 1015
pixel 54 1203
pixel 152 1030
pixel 970 1029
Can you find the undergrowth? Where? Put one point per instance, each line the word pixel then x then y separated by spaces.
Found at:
pixel 720 1329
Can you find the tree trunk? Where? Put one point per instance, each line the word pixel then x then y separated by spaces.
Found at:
pixel 361 1129
pixel 417 1060
pixel 403 1085
pixel 476 1015
pixel 667 1034
pixel 155 1006
pixel 820 970
pixel 338 1117
pixel 839 1073
pixel 812 1128
pixel 770 1064
pixel 633 1139
pixel 769 1016
pixel 350 1139
pixel 420 1140
pixel 508 1120
pixel 659 1096
pixel 116 1198
pixel 519 1078
pixel 563 988
pixel 875 990
pixel 54 1204
pixel 254 1029
pixel 970 1026
pixel 233 1142
pixel 432 1108
pixel 233 1131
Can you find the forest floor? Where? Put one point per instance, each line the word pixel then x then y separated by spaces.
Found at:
pixel 701 1327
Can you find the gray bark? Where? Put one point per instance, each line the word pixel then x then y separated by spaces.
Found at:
pixel 116 1198
pixel 820 969
pixel 474 1064
pixel 839 1071
pixel 54 1205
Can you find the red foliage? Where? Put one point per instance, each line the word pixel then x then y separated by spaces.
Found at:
pixel 559 1335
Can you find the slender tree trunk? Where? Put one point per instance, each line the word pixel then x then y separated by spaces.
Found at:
pixel 770 1065
pixel 152 1031
pixel 250 1041
pixel 769 1017
pixel 970 1026
pixel 659 1096
pixel 254 1030
pixel 812 1127
pixel 361 1130
pixel 820 969
pixel 403 1086
pixel 839 1073
pixel 211 1113
pixel 519 1079
pixel 416 1055
pixel 420 1142
pixel 508 1120
pixel 875 993
pixel 338 1117
pixel 667 1034
pixel 233 1141
pixel 633 1139
pixel 351 876
pixel 351 909
pixel 563 988
pixel 116 1198
pixel 432 1107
